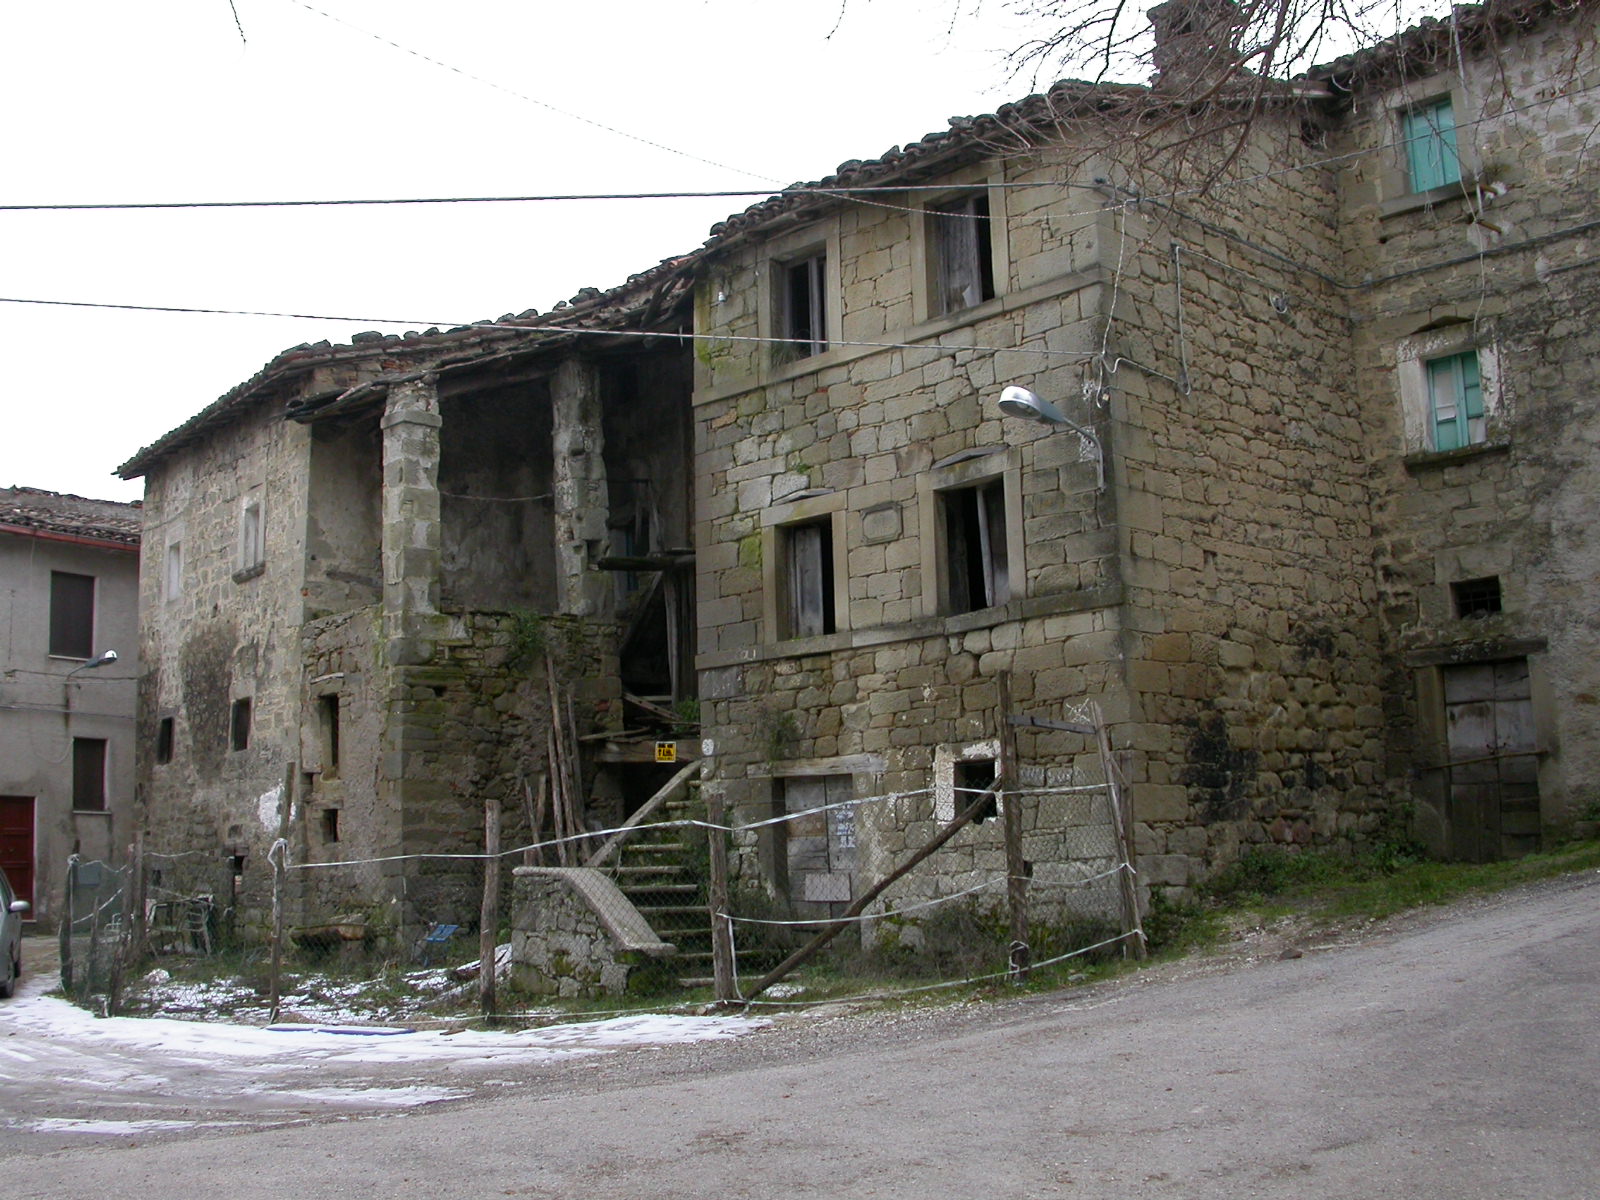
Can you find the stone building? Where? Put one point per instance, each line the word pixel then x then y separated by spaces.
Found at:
pixel 1305 517
pixel 69 571
pixel 1308 522
pixel 363 564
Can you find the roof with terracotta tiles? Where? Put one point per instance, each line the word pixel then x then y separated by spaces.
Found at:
pixel 36 511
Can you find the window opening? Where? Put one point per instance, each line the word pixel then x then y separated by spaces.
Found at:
pixel 1455 401
pixel 328 722
pixel 963 253
pixel 1429 133
pixel 174 570
pixel 803 313
pixel 971 777
pixel 330 825
pixel 252 535
pixel 164 739
pixel 975 541
pixel 71 615
pixel 241 724
pixel 1476 597
pixel 807 550
pixel 89 774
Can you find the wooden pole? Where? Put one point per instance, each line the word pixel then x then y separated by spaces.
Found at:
pixel 489 914
pixel 1016 867
pixel 136 915
pixel 727 985
pixel 67 922
pixel 1122 824
pixel 279 855
pixel 829 932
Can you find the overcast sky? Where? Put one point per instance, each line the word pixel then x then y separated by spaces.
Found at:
pixel 112 101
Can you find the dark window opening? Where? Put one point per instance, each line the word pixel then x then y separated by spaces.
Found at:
pixel 971 778
pixel 963 273
pixel 804 317
pixel 241 724
pixel 975 544
pixel 1476 597
pixel 71 615
pixel 89 774
pixel 807 551
pixel 330 825
pixel 328 720
pixel 164 736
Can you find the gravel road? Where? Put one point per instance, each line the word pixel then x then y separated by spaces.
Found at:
pixel 1449 1053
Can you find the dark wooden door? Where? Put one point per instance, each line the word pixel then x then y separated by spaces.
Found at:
pixel 16 844
pixel 821 845
pixel 1493 777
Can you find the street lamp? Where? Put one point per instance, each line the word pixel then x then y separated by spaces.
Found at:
pixel 100 660
pixel 1020 402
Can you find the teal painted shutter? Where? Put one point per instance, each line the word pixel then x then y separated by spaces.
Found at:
pixel 1430 137
pixel 1455 398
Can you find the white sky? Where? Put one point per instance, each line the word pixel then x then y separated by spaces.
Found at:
pixel 108 101
pixel 111 101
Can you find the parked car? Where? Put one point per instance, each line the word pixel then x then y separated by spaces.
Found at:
pixel 11 910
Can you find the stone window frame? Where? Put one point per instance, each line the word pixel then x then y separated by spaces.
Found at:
pixel 775 618
pixel 970 470
pixel 945 759
pixel 172 570
pixel 1412 358
pixel 925 307
pixel 820 238
pixel 1395 188
pixel 251 557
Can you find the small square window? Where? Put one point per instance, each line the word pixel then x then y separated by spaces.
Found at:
pixel 1476 597
pixel 1429 134
pixel 972 778
pixel 71 615
pixel 240 725
pixel 89 774
pixel 963 255
pixel 806 561
pixel 1455 401
pixel 802 308
pixel 977 569
pixel 330 825
pixel 164 739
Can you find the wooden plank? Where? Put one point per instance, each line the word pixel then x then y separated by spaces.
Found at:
pixel 489 911
pixel 640 815
pixel 727 990
pixel 1016 869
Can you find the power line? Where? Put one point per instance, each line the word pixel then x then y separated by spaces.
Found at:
pixel 472 326
pixel 564 112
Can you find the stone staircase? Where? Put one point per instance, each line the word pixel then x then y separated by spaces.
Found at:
pixel 663 874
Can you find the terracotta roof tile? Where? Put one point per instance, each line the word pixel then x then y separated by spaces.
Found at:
pixel 73 516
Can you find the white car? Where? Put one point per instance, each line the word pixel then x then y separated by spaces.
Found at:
pixel 11 910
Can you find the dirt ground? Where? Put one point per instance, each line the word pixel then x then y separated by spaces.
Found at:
pixel 1449 1052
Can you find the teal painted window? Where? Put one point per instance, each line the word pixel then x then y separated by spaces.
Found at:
pixel 1430 137
pixel 1455 400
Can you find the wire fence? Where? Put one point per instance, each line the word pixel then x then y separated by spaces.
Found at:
pixel 996 870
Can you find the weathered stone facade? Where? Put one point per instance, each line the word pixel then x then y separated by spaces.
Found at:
pixel 382 595
pixel 1258 595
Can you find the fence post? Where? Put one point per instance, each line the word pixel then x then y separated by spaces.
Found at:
pixel 1016 867
pixel 276 856
pixel 721 933
pixel 67 919
pixel 1122 826
pixel 489 913
pixel 136 915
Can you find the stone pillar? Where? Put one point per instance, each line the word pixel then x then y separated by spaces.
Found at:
pixel 411 425
pixel 581 500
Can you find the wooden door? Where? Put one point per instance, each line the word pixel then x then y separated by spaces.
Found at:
pixel 16 844
pixel 821 845
pixel 1493 777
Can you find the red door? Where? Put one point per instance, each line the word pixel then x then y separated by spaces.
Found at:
pixel 16 844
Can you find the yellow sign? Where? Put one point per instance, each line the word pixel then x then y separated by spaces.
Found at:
pixel 667 752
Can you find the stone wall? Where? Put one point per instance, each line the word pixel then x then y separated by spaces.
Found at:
pixel 1501 264
pixel 574 934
